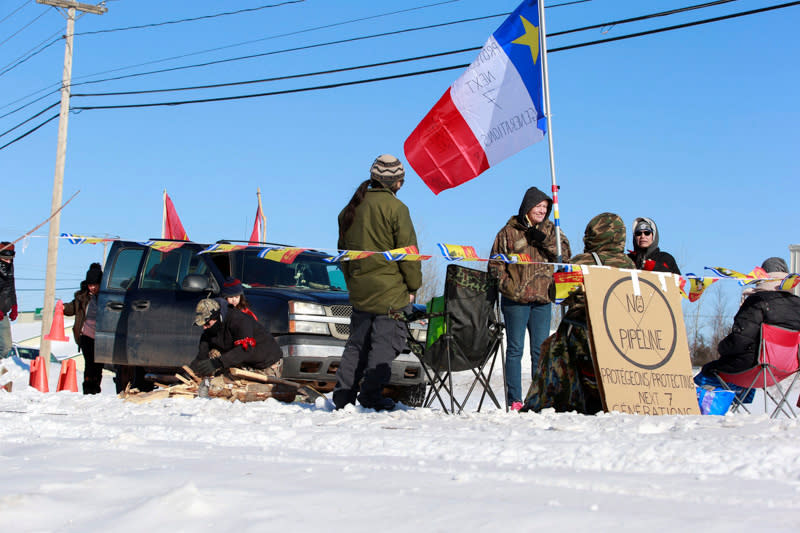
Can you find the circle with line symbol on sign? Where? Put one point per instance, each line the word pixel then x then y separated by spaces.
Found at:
pixel 641 327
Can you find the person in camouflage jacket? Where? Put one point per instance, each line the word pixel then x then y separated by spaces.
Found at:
pixel 525 287
pixel 564 378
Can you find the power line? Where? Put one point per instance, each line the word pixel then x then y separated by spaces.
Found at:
pixel 404 75
pixel 31 56
pixel 264 80
pixel 234 45
pixel 249 42
pixel 43 13
pixel 407 30
pixel 29 132
pixel 28 104
pixel 23 4
pixel 436 70
pixel 193 19
pixel 29 119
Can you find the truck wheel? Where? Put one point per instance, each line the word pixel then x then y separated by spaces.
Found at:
pixel 131 374
pixel 413 396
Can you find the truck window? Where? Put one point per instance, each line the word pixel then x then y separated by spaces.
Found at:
pixel 307 271
pixel 126 264
pixel 166 270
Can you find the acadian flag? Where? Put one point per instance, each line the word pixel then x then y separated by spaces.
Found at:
pixel 259 234
pixel 457 252
pixel 697 286
pixel 280 254
pixel 409 253
pixel 163 246
pixel 171 227
pixel 222 248
pixel 491 112
pixel 789 282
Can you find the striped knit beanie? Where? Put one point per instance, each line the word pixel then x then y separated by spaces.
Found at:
pixel 386 170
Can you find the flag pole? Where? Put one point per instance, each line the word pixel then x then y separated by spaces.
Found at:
pixel 263 218
pixel 164 215
pixel 546 95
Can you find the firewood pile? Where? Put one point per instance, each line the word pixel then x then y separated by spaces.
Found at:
pixel 234 384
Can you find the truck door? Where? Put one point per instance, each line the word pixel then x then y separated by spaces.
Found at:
pixel 162 314
pixel 121 276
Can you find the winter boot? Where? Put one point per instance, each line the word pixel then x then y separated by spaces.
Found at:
pixel 377 402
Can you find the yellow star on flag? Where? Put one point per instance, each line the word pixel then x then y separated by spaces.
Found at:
pixel 529 38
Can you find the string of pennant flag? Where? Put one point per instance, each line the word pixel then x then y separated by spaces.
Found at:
pixel 691 286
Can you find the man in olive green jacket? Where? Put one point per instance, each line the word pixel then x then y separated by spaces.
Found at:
pixel 375 220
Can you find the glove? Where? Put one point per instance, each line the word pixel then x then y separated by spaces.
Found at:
pixel 208 367
pixel 649 265
pixel 2 314
pixel 534 236
pixel 13 314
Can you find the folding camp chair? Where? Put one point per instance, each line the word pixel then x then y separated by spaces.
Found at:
pixel 468 337
pixel 778 359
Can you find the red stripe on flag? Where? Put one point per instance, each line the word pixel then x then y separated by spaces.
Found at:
pixel 442 148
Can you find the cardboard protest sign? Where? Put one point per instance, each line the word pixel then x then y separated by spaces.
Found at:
pixel 640 347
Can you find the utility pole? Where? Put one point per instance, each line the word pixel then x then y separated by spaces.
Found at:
pixel 61 154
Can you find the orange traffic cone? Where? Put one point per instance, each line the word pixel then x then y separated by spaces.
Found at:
pixel 38 375
pixel 57 328
pixel 66 379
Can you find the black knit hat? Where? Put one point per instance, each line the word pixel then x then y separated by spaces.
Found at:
pixel 775 264
pixel 94 274
pixel 386 170
pixel 231 287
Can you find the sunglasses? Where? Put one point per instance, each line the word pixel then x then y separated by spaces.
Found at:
pixel 646 232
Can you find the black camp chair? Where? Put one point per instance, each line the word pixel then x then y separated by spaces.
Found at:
pixel 471 339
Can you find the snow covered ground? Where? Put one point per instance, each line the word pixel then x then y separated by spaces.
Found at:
pixel 96 463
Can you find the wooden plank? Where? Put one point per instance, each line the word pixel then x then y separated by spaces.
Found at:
pixel 247 374
pixel 191 373
pixel 184 380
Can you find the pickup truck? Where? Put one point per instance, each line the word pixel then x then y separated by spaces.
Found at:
pixel 146 307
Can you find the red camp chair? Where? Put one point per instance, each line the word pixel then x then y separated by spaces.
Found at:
pixel 778 359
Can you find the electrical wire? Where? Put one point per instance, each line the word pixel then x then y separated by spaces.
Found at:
pixel 29 119
pixel 43 13
pixel 29 132
pixel 23 4
pixel 436 70
pixel 31 56
pixel 28 104
pixel 230 84
pixel 243 43
pixel 410 74
pixel 193 19
pixel 405 30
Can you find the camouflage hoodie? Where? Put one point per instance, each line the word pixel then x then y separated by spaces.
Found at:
pixel 604 236
pixel 527 283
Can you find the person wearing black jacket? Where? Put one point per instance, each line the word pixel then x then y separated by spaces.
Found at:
pixel 645 254
pixel 8 296
pixel 739 350
pixel 237 341
pixel 84 308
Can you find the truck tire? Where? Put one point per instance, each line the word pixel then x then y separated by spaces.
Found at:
pixel 412 396
pixel 134 375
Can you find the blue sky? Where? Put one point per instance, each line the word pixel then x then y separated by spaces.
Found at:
pixel 693 128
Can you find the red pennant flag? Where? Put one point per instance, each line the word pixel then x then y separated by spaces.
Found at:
pixel 172 227
pixel 260 225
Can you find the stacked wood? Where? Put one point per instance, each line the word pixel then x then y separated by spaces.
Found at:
pixel 235 384
pixel 7 386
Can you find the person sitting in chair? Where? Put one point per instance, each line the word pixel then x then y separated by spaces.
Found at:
pixel 739 350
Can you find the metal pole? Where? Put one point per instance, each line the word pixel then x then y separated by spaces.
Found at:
pixel 546 95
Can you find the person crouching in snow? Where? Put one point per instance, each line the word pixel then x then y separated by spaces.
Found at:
pixel 237 341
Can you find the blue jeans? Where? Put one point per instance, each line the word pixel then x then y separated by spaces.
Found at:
pixel 519 317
